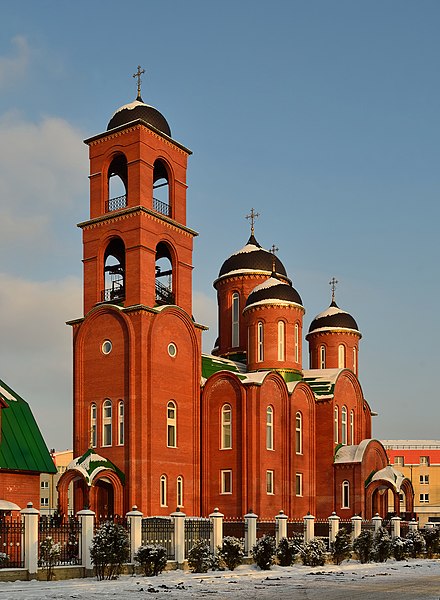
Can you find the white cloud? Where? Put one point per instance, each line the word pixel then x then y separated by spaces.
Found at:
pixel 35 349
pixel 13 67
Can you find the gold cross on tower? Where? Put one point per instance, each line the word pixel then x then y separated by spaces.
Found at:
pixel 254 215
pixel 273 250
pixel 138 75
pixel 333 283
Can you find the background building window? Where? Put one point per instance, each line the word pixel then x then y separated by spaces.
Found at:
pixel 226 482
pixel 44 502
pixel 179 490
pixel 345 494
pixel 226 427
pixel 424 479
pixel 424 498
pixel 260 341
pixel 281 338
pixel 298 484
pixel 121 423
pixel 399 461
pixel 235 320
pixel 269 428
pixel 163 490
pixel 269 482
pixel 44 485
pixel 171 425
pixel 107 423
pixel 298 433
pixel 93 425
pixel 424 461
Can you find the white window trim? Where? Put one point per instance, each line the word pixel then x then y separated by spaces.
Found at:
pixel 345 500
pixel 299 478
pixel 352 427
pixel 179 491
pixel 296 343
pixel 163 490
pixel 225 473
pixel 341 356
pixel 344 425
pixel 269 428
pixel 93 425
pixel 336 425
pixel 121 426
pixel 226 427
pixel 107 422
pixel 298 433
pixel 322 357
pixel 270 482
pixel 260 341
pixel 281 340
pixel 235 320
pixel 172 424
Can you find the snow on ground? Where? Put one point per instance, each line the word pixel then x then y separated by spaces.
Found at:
pixel 296 582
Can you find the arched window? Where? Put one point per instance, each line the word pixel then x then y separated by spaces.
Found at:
pixel 260 341
pixel 117 183
pixel 226 432
pixel 235 320
pixel 179 491
pixel 298 433
pixel 121 423
pixel 351 427
pixel 114 271
pixel 93 425
pixel 336 427
pixel 341 356
pixel 322 357
pixel 269 428
pixel 107 423
pixel 164 275
pixel 163 490
pixel 345 494
pixel 296 342
pixel 161 189
pixel 355 360
pixel 281 338
pixel 344 425
pixel 171 425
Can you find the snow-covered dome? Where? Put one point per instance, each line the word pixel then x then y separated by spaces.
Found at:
pixel 139 110
pixel 273 291
pixel 252 257
pixel 333 318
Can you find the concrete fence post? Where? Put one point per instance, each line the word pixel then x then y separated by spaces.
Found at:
pixel 217 530
pixel 30 516
pixel 377 520
pixel 250 532
pixel 333 527
pixel 413 525
pixel 280 526
pixel 87 520
pixel 356 527
pixel 309 528
pixel 134 518
pixel 395 527
pixel 179 537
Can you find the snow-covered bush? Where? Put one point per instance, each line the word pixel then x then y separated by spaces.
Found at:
pixel 432 541
pixel 109 550
pixel 341 547
pixel 417 545
pixel 313 553
pixel 200 557
pixel 363 546
pixel 381 545
pixel 50 553
pixel 3 558
pixel 264 552
pixel 401 548
pixel 152 558
pixel 286 552
pixel 231 552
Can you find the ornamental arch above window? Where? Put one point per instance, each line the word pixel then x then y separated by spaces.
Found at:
pixel 161 188
pixel 117 180
pixel 114 271
pixel 164 275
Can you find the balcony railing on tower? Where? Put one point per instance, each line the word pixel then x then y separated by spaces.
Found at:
pixel 116 203
pixel 161 207
pixel 116 293
pixel 164 294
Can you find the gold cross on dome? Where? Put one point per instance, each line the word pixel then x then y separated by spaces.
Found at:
pixel 252 216
pixel 333 283
pixel 138 75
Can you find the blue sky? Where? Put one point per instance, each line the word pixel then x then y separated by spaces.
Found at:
pixel 321 115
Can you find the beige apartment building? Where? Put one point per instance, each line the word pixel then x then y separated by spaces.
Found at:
pixel 419 460
pixel 48 483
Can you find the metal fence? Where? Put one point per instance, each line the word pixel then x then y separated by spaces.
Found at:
pixel 159 531
pixel 266 528
pixel 66 534
pixel 196 529
pixel 234 528
pixel 295 528
pixel 11 540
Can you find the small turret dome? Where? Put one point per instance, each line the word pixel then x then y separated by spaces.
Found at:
pixel 333 318
pixel 273 291
pixel 252 258
pixel 138 110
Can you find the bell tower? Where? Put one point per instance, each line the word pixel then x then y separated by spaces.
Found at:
pixel 137 349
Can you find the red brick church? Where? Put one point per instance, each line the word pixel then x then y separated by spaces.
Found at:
pixel 157 423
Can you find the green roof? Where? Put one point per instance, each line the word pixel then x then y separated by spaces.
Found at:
pixel 320 387
pixel 22 447
pixel 212 364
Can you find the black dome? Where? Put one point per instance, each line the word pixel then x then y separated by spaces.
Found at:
pixel 252 258
pixel 333 318
pixel 139 110
pixel 273 290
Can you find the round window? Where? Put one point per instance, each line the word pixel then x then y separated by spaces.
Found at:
pixel 172 350
pixel 106 347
